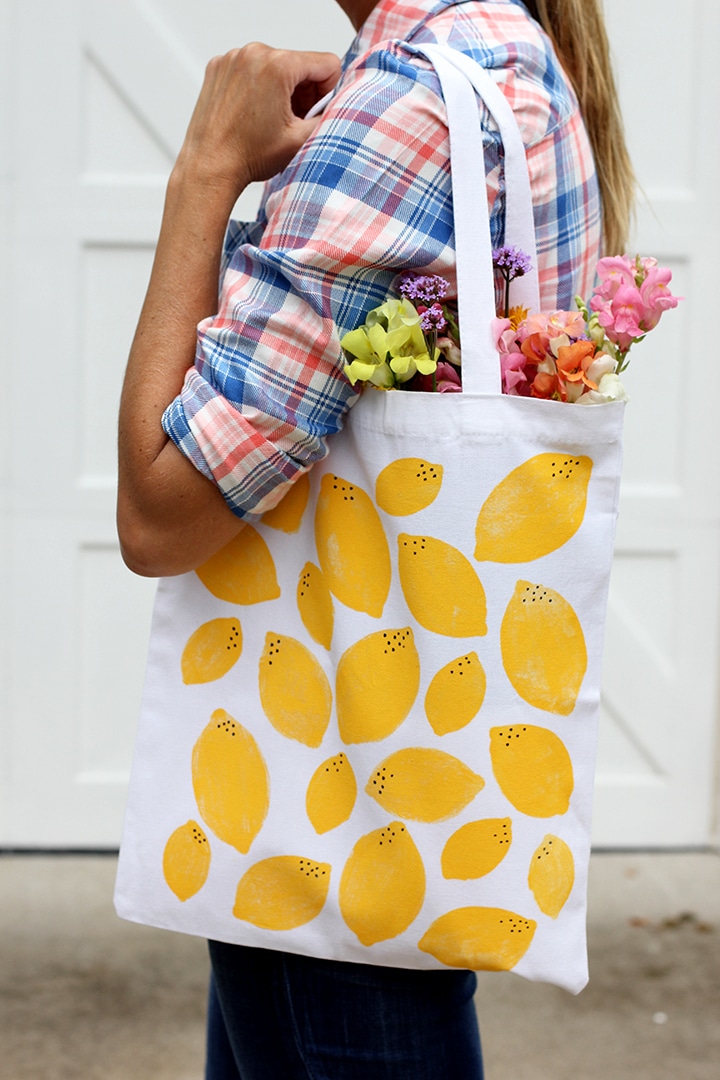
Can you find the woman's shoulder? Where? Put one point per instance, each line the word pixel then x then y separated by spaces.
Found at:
pixel 502 37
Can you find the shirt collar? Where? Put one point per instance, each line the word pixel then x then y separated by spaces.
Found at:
pixel 394 20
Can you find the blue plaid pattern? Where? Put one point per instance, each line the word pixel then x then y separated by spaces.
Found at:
pixel 369 196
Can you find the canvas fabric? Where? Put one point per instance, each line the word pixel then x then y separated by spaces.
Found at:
pixel 369 724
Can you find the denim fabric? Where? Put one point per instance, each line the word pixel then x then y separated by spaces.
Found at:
pixel 278 1016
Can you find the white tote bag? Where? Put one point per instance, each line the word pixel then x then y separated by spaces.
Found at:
pixel 369 724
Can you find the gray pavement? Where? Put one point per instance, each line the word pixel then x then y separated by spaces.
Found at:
pixel 84 996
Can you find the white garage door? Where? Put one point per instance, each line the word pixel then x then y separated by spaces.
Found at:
pixel 94 96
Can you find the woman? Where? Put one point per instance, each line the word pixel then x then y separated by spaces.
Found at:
pixel 207 447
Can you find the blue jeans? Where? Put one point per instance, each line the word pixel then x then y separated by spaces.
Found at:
pixel 277 1016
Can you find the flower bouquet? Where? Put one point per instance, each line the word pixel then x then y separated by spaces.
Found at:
pixel 413 343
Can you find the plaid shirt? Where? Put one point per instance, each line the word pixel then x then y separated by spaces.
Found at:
pixel 368 196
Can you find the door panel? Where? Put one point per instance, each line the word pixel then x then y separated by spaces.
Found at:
pixel 94 98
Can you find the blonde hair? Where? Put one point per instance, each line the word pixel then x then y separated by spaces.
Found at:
pixel 577 30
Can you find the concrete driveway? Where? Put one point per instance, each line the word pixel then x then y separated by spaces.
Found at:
pixel 84 996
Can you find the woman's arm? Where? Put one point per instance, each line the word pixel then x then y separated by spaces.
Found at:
pixel 244 128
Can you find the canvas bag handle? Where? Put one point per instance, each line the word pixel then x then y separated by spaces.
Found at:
pixel 460 77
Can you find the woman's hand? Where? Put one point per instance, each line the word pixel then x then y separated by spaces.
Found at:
pixel 249 119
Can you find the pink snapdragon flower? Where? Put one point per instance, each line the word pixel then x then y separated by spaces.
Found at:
pixel 512 360
pixel 613 272
pixel 630 298
pixel 553 324
pixel 514 379
pixel 656 296
pixel 447 380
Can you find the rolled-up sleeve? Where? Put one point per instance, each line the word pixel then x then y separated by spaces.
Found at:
pixel 368 196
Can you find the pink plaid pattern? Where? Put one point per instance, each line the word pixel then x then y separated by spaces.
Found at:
pixel 366 198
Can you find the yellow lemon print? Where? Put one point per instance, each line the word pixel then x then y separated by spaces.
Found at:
pixel 533 768
pixel 282 893
pixel 378 679
pixel 331 794
pixel 186 860
pixel 552 875
pixel 407 485
pixel 441 588
pixel 211 651
pixel 294 690
pixel 423 784
pixel 243 572
pixel 543 648
pixel 382 887
pixel 352 547
pixel 288 513
pixel 230 781
pixel 315 604
pixel 479 938
pixel 476 848
pixel 455 694
pixel 534 510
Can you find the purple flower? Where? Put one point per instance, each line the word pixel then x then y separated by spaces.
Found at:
pixel 511 262
pixel 432 318
pixel 428 289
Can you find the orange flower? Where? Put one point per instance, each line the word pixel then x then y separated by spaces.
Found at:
pixel 546 386
pixel 574 360
pixel 535 348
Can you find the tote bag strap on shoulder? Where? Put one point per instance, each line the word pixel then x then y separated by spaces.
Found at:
pixel 460 79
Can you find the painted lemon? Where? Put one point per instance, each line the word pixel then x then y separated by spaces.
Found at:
pixel 294 690
pixel 230 781
pixel 479 938
pixel 407 485
pixel 382 887
pixel 476 848
pixel 423 784
pixel 552 875
pixel 282 893
pixel 331 794
pixel 243 572
pixel 186 860
pixel 211 651
pixel 543 648
pixel 441 588
pixel 315 604
pixel 533 768
pixel 377 681
pixel 351 545
pixel 288 513
pixel 455 694
pixel 536 509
